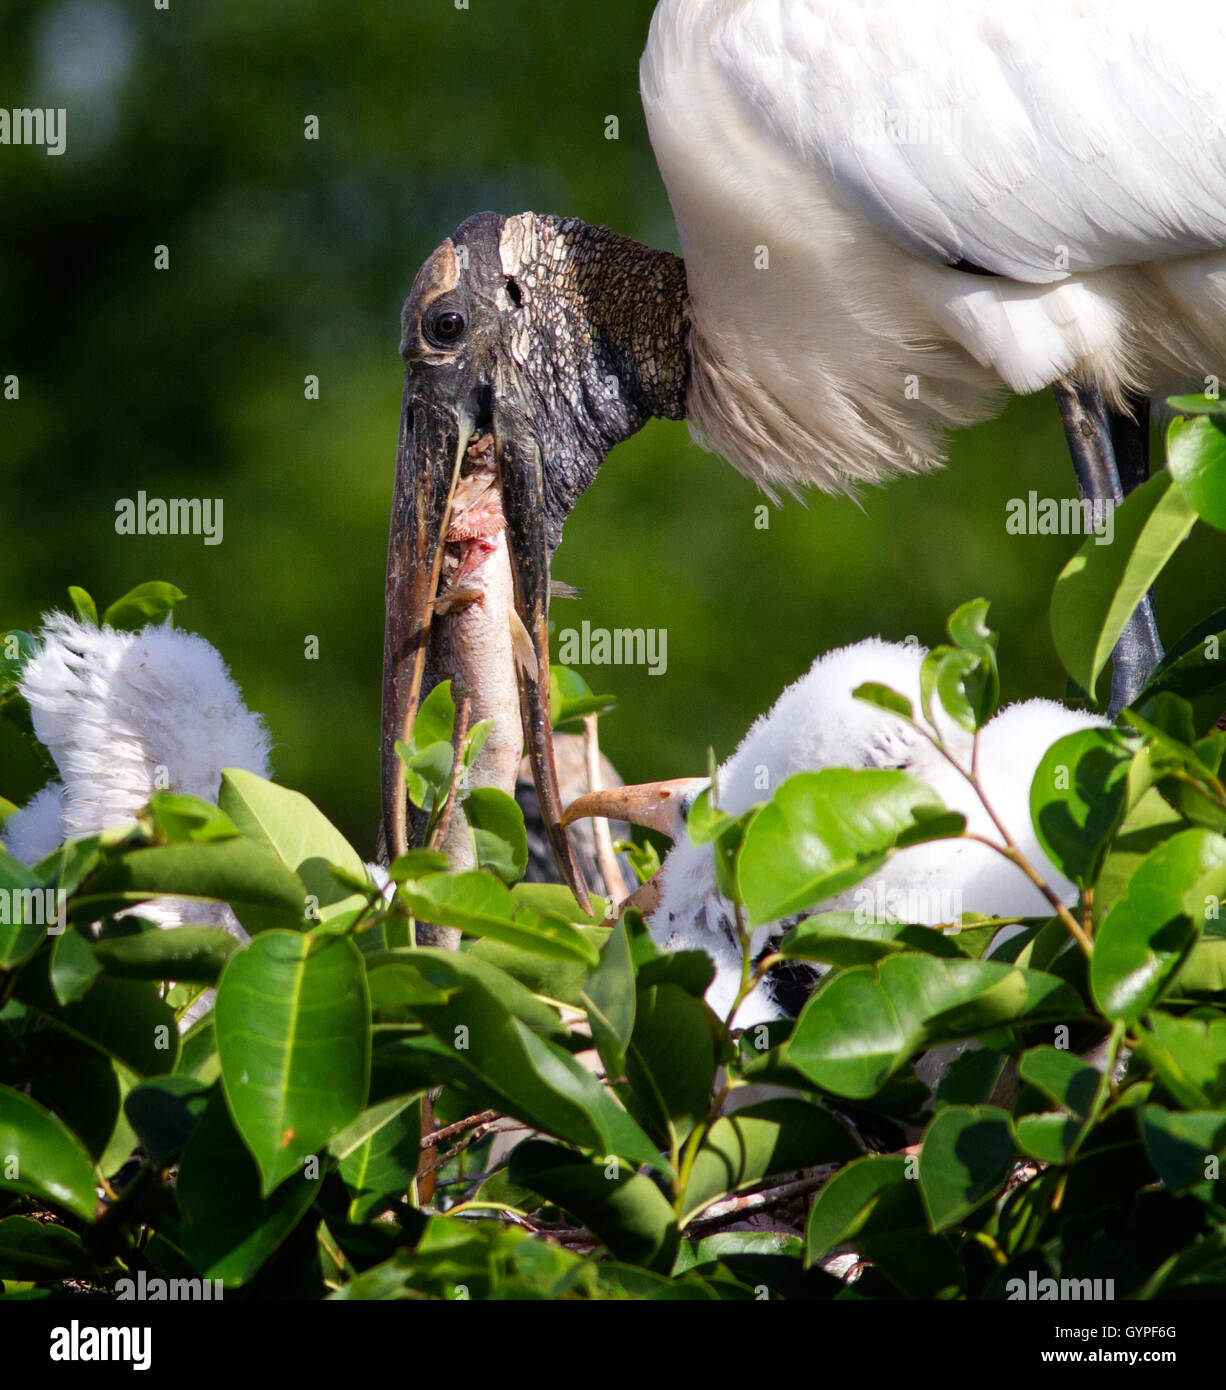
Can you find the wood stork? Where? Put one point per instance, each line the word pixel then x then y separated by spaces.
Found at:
pixel 889 213
pixel 818 723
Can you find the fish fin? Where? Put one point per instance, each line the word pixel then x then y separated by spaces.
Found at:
pixel 557 589
pixel 521 645
pixel 456 598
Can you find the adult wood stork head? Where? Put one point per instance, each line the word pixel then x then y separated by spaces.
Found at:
pixel 889 214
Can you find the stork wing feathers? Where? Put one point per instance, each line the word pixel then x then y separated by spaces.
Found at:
pixel 1030 138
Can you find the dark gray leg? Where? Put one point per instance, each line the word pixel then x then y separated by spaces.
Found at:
pixel 1110 454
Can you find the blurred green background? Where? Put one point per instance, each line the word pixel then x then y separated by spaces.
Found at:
pixel 291 256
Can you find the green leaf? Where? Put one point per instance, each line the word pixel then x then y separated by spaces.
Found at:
pixel 1186 1148
pixel 966 1157
pixel 229 1229
pixel 27 910
pixel 247 875
pixel 623 1209
pixel 571 698
pixel 125 1019
pixel 1197 404
pixel 83 606
pixel 178 817
pixel 192 955
pixel 379 1153
pixel 478 1042
pixel 773 1136
pixel 39 1251
pixel 824 831
pixel 417 863
pixel 1194 665
pixel 670 1061
pixel 865 1022
pixel 480 904
pixel 43 1157
pixel 1102 584
pixel 882 697
pixel 611 1001
pixel 427 755
pixel 497 826
pixel 1078 799
pixel 300 835
pixel 842 1206
pixel 164 1112
pixel 1062 1076
pixel 968 626
pixel 142 605
pixel 845 937
pixel 73 966
pixel 293 1033
pixel 1196 455
pixel 1144 937
pixel 1189 1057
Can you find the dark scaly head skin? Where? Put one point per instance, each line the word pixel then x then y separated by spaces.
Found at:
pixel 561 340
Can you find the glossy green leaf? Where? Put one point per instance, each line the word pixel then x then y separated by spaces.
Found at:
pixel 1141 942
pixel 301 837
pixel 882 697
pixel 379 1153
pixel 194 955
pixel 26 911
pixel 1102 584
pixel 293 1033
pixel 1187 1148
pixel 610 998
pixel 479 904
pixel 1189 1055
pixel 841 1207
pixel 1078 798
pixel 43 1157
pixel 670 1061
pixel 479 1042
pixel 966 1157
pixel 623 1209
pixel 177 817
pixel 845 937
pixel 73 968
pixel 229 1228
pixel 164 1112
pixel 36 1250
pixel 83 605
pixel 824 831
pixel 250 877
pixel 1196 455
pixel 125 1019
pixel 773 1136
pixel 571 698
pixel 499 838
pixel 864 1024
pixel 144 604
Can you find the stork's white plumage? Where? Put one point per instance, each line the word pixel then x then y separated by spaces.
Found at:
pixel 818 723
pixel 840 169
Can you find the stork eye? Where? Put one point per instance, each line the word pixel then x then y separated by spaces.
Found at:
pixel 447 326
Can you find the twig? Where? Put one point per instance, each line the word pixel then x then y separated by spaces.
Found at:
pixel 739 1208
pixel 606 855
pixel 459 1127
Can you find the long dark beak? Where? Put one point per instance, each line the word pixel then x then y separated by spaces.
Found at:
pixel 523 504
pixel 428 459
pixel 428 456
